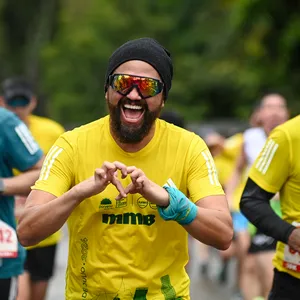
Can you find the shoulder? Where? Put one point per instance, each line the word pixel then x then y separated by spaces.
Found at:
pixel 179 138
pixel 6 115
pixel 89 130
pixel 177 132
pixel 234 141
pixel 46 124
pixel 290 128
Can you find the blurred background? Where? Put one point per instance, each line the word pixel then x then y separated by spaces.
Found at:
pixel 227 54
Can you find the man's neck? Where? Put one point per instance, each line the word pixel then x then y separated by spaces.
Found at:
pixel 131 148
pixel 25 120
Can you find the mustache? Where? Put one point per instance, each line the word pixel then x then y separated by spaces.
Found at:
pixel 126 100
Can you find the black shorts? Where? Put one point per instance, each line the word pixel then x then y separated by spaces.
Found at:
pixel 285 287
pixel 261 242
pixel 9 288
pixel 40 263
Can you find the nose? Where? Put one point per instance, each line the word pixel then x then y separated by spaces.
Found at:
pixel 134 95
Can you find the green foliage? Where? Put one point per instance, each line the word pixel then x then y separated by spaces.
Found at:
pixel 226 53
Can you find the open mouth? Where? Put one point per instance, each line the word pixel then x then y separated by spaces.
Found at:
pixel 132 113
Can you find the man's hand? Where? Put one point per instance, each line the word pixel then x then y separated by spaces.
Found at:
pixel 147 188
pixel 102 178
pixel 294 240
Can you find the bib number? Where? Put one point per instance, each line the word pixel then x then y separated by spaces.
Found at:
pixel 291 258
pixel 8 241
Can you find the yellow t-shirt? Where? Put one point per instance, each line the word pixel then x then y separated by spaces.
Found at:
pixel 225 162
pixel 45 132
pixel 123 249
pixel 278 169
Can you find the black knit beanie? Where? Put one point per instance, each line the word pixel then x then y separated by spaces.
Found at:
pixel 148 50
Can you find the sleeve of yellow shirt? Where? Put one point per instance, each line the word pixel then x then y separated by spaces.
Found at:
pixel 271 168
pixel 57 174
pixel 202 175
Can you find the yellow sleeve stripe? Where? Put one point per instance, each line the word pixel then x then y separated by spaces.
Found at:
pixel 49 161
pixel 266 158
pixel 211 168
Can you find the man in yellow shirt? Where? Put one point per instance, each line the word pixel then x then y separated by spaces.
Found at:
pixel 19 98
pixel 129 229
pixel 277 169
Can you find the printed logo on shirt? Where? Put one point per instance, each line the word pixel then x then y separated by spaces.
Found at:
pixel 129 218
pixel 142 202
pixel 106 204
pixel 267 156
pixel 27 139
pixel 121 203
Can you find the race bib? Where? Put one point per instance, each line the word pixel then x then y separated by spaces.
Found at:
pixel 8 241
pixel 291 259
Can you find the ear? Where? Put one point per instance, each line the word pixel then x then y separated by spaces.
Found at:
pixel 106 95
pixel 33 103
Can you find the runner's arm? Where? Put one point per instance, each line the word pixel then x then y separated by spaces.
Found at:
pixel 255 205
pixel 213 224
pixel 267 176
pixel 20 184
pixel 44 214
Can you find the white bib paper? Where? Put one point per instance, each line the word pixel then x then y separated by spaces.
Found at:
pixel 8 241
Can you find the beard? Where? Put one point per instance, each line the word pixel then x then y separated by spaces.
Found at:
pixel 131 134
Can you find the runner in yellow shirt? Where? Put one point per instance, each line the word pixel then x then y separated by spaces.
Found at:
pixel 18 97
pixel 128 234
pixel 277 169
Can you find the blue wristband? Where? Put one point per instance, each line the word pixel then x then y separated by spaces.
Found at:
pixel 180 209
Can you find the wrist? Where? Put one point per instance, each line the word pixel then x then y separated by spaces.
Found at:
pixel 289 235
pixel 157 195
pixel 180 209
pixel 76 194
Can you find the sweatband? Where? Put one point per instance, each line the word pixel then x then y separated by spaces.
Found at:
pixel 180 209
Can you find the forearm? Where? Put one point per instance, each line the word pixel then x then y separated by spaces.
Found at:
pixel 260 214
pixel 255 205
pixel 20 185
pixel 212 227
pixel 37 222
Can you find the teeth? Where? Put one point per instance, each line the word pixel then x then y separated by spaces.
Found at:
pixel 136 107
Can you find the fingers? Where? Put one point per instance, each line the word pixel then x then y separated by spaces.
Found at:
pixel 130 188
pixel 108 167
pixel 119 187
pixel 100 173
pixel 122 168
pixel 135 173
pixel 112 167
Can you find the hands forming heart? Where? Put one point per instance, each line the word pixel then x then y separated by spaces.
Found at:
pixel 108 174
pixel 139 182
